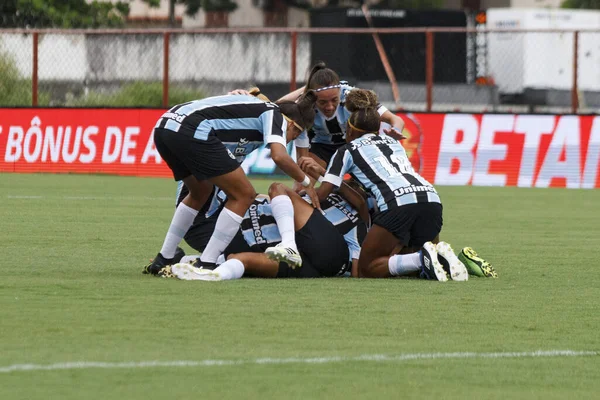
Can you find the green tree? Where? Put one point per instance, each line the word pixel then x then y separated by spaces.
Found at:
pixel 62 14
pixel 193 6
pixel 582 4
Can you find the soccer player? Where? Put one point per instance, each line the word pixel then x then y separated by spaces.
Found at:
pixel 328 132
pixel 200 141
pixel 410 210
pixel 328 243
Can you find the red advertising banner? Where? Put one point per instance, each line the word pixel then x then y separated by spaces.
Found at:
pixel 507 149
pixel 447 149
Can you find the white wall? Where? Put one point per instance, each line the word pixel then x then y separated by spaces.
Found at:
pixel 221 58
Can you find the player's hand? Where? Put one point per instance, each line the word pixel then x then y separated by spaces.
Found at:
pixel 314 199
pixel 310 166
pixel 394 132
pixel 239 92
pixel 297 187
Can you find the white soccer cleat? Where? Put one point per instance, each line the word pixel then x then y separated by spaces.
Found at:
pixel 456 269
pixel 430 266
pixel 286 254
pixel 188 272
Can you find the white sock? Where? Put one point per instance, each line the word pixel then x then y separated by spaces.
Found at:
pixel 283 212
pixel 231 269
pixel 404 264
pixel 226 227
pixel 180 224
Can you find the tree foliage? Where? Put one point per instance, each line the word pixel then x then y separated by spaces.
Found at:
pixel 193 6
pixel 62 14
pixel 582 4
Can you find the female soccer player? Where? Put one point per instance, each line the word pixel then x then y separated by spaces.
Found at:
pixel 329 129
pixel 200 141
pixel 410 210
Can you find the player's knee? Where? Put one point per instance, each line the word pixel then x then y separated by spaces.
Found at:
pixel 276 189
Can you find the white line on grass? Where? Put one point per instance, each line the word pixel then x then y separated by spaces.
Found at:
pixel 91 197
pixel 294 360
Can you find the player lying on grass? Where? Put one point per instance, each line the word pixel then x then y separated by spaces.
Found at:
pixel 200 140
pixel 327 243
pixel 410 210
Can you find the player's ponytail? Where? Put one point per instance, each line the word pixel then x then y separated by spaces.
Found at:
pixel 256 93
pixel 363 106
pixel 302 111
pixel 320 76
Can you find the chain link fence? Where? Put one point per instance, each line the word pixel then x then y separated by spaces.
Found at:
pixel 432 69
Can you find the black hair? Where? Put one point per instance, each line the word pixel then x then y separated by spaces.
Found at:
pixel 321 76
pixel 301 111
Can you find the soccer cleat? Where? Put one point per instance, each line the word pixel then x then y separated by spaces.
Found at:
pixel 476 265
pixel 165 272
pixel 160 262
pixel 188 272
pixel 430 266
pixel 451 264
pixel 285 254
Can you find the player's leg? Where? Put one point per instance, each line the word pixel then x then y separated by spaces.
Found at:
pixel 322 246
pixel 177 150
pixel 291 213
pixel 375 253
pixel 244 264
pixel 240 194
pixel 392 231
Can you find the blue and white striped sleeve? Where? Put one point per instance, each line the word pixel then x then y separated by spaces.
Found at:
pixel 274 126
pixel 302 140
pixel 340 164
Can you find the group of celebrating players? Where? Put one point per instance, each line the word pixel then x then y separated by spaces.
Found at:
pixel 383 221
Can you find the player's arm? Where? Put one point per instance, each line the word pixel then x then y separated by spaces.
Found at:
pixel 356 200
pixel 293 96
pixel 397 124
pixel 354 270
pixel 301 152
pixel 340 164
pixel 287 164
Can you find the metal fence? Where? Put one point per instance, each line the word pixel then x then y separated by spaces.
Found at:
pixel 424 69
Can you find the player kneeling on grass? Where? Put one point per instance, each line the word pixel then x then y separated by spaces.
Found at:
pixel 410 210
pixel 323 249
pixel 200 140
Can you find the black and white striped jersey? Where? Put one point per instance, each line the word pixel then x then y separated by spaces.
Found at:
pixel 381 165
pixel 330 130
pixel 241 122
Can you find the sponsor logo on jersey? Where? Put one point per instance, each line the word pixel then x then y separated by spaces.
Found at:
pixel 240 150
pixel 171 115
pixel 413 189
pixel 254 219
pixel 374 140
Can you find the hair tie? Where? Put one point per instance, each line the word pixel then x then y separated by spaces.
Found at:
pixel 355 128
pixel 328 87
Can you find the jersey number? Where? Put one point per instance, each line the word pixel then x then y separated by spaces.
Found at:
pixel 396 167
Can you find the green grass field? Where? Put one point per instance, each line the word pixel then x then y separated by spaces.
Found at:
pixel 71 291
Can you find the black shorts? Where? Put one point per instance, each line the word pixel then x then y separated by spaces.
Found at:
pixel 325 151
pixel 324 251
pixel 412 224
pixel 188 156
